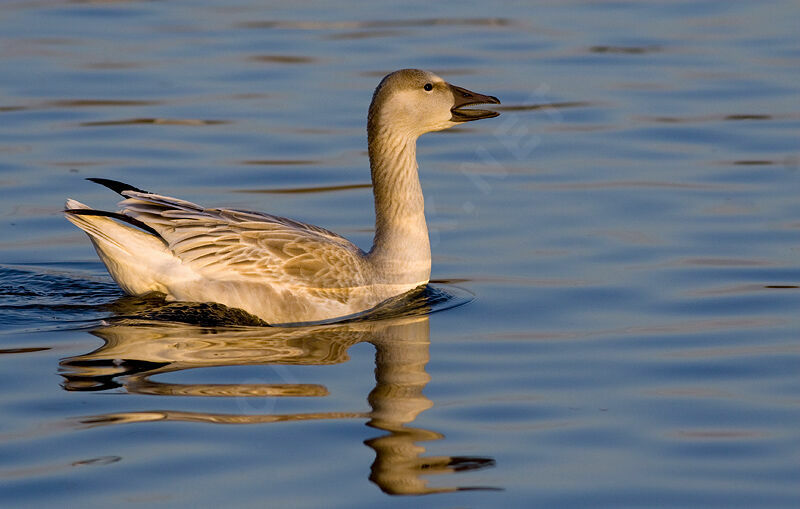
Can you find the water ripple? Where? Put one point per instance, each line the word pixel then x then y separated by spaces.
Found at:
pixel 155 121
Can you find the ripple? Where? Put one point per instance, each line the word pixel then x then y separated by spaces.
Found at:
pixel 748 117
pixel 114 66
pixel 626 50
pixel 366 34
pixel 725 262
pixel 545 106
pixel 155 121
pixel 101 460
pixel 736 351
pixel 691 392
pixel 450 71
pixel 303 190
pixel 42 298
pixel 429 299
pixel 741 289
pixel 734 117
pixel 286 390
pixel 78 103
pixel 94 103
pixel 280 162
pixel 753 162
pixel 282 59
pixel 182 416
pixel 5 351
pixel 718 434
pixel 665 329
pixel 350 25
pixel 623 184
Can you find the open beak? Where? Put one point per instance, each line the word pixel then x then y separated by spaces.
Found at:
pixel 463 97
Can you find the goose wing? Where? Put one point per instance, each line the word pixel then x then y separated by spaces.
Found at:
pixel 235 244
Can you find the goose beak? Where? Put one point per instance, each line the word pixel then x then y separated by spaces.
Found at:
pixel 463 97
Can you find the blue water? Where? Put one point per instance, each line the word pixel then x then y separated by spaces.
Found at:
pixel 623 241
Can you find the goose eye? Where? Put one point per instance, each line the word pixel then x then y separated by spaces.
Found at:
pixel 428 87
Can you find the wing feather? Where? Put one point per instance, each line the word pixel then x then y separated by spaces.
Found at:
pixel 250 245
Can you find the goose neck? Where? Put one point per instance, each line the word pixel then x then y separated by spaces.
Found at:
pixel 401 251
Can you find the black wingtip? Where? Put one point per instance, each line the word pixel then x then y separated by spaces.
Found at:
pixel 114 215
pixel 115 185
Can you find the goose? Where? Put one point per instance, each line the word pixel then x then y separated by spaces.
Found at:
pixel 280 270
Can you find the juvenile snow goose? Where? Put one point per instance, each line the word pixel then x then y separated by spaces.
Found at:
pixel 281 270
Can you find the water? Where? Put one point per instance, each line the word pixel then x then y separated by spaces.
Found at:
pixel 629 228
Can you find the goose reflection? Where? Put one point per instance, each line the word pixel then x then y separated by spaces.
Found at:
pixel 134 351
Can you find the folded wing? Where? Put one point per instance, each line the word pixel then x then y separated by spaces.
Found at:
pixel 233 244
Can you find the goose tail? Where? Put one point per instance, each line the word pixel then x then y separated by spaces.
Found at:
pixel 133 253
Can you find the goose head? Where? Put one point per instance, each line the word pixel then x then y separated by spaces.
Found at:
pixel 411 102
